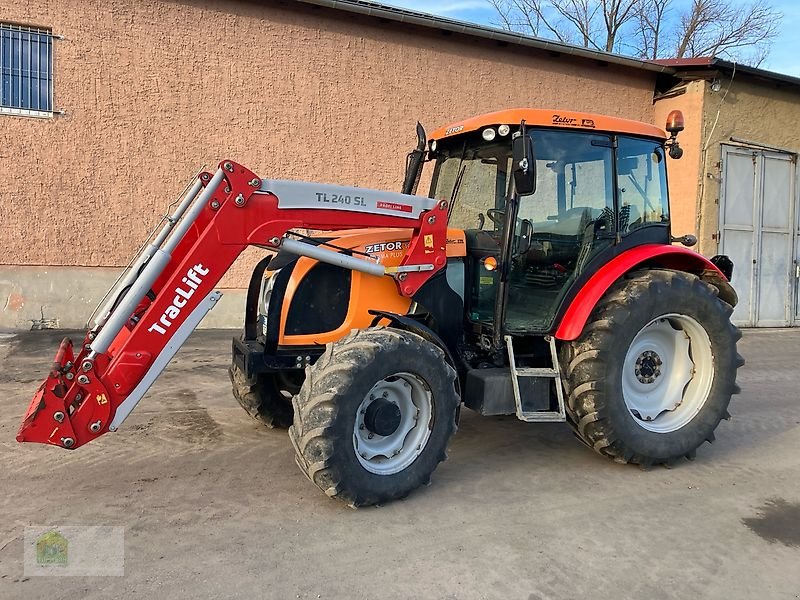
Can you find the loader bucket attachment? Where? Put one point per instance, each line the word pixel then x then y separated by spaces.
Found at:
pixel 169 286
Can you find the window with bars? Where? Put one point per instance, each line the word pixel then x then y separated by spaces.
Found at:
pixel 26 69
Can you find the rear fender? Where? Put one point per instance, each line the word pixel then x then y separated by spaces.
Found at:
pixel 657 255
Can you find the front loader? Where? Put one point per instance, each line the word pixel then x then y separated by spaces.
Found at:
pixel 538 279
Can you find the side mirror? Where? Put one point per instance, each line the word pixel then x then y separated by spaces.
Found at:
pixel 524 164
pixel 414 163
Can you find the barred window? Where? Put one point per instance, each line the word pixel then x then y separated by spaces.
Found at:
pixel 26 69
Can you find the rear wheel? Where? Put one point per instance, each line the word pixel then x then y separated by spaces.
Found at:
pixel 374 416
pixel 267 398
pixel 652 375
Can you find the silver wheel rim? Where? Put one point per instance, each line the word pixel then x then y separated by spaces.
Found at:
pixel 390 454
pixel 668 372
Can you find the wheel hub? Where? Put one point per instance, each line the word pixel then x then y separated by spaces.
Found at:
pixel 382 417
pixel 648 366
pixel 393 424
pixel 667 373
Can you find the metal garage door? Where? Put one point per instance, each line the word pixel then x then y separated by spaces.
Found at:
pixel 757 227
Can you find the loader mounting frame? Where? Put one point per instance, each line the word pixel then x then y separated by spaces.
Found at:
pixel 169 287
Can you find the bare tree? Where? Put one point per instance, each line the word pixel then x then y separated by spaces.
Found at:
pixel 651 17
pixel 589 23
pixel 716 27
pixel 649 29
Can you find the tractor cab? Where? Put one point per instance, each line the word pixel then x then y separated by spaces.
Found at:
pixel 597 185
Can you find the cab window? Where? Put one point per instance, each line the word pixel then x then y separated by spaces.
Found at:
pixel 641 183
pixel 473 181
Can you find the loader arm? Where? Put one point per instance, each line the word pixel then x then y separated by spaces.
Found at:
pixel 169 288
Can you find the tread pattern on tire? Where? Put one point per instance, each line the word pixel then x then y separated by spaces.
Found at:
pixel 585 362
pixel 316 409
pixel 261 399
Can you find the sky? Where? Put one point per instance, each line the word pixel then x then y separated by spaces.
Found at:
pixel 783 58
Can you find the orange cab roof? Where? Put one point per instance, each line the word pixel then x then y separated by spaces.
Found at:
pixel 538 117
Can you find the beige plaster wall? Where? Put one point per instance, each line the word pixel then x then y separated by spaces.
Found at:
pixel 684 174
pixel 758 112
pixel 152 89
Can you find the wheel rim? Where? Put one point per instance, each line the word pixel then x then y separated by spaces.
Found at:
pixel 668 372
pixel 391 453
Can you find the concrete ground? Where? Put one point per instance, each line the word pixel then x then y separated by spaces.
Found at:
pixel 213 505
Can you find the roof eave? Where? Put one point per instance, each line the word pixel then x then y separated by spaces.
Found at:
pixel 400 15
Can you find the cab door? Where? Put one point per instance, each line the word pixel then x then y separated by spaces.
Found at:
pixel 559 228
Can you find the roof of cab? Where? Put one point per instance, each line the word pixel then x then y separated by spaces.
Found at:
pixel 538 117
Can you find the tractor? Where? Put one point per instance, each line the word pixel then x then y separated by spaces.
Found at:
pixel 538 278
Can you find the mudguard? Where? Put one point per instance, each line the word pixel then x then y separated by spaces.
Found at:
pixel 659 255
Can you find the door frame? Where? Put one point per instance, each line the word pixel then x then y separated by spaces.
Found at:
pixel 759 154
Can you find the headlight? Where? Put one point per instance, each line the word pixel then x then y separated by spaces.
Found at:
pixel 266 292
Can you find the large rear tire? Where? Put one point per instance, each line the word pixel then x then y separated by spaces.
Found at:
pixel 652 375
pixel 263 398
pixel 374 416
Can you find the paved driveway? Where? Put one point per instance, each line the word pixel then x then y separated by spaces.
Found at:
pixel 213 505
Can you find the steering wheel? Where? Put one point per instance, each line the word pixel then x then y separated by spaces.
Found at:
pixel 496 216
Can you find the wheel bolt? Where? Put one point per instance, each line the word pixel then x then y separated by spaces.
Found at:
pixel 385 394
pixel 371 435
pixel 361 426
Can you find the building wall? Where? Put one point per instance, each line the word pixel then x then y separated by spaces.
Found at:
pixel 756 112
pixel 152 89
pixel 684 173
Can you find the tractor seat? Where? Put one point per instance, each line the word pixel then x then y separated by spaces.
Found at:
pixel 482 242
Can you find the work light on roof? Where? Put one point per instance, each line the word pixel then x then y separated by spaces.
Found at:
pixel 488 134
pixel 504 130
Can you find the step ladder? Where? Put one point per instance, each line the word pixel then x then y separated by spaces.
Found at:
pixel 523 372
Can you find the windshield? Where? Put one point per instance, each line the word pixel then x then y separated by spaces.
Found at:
pixel 472 179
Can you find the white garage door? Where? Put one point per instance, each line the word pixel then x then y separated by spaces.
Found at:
pixel 758 232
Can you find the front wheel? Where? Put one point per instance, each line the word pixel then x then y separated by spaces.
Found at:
pixel 653 373
pixel 374 416
pixel 267 398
